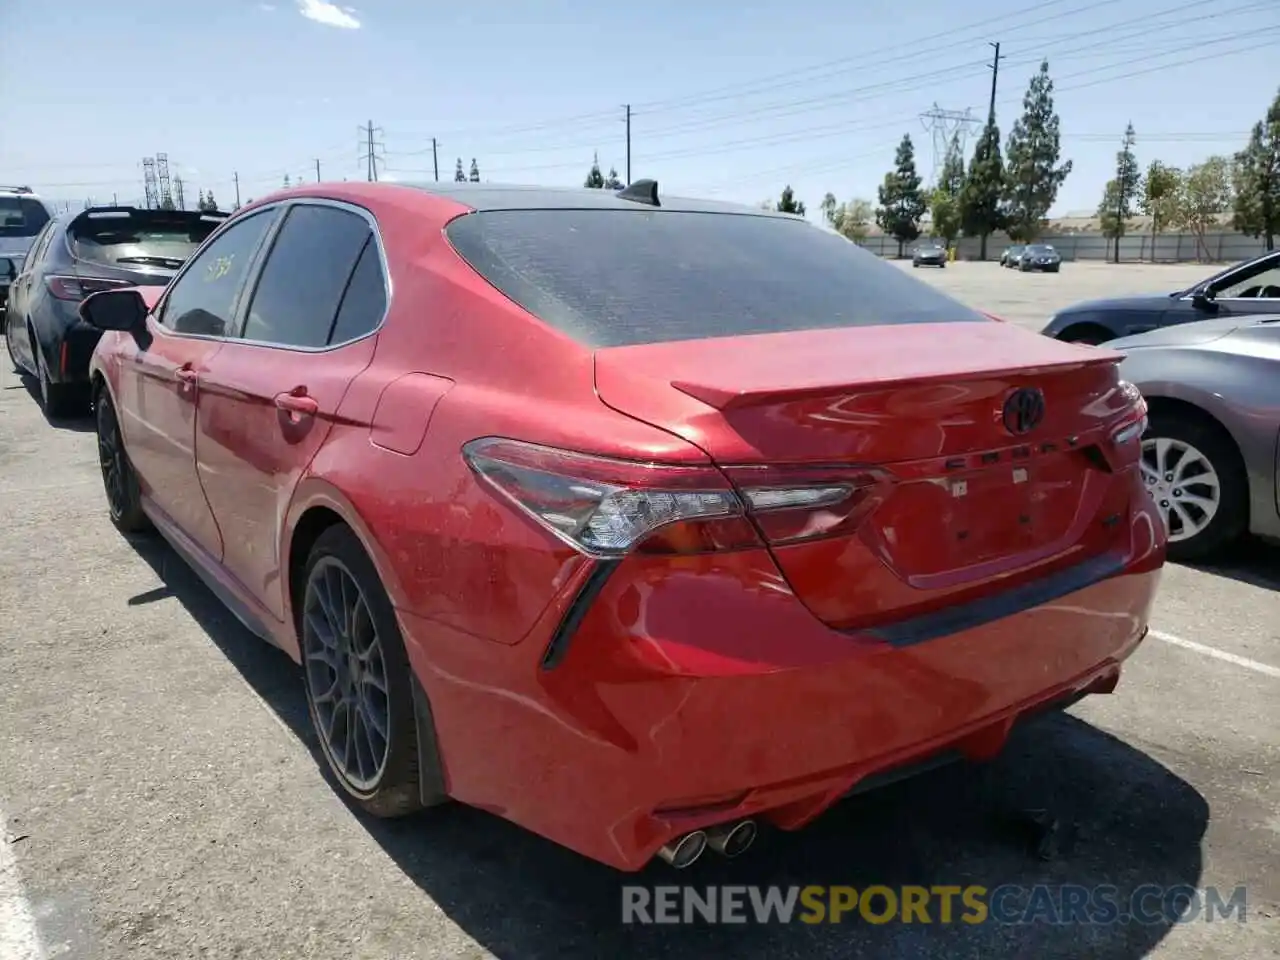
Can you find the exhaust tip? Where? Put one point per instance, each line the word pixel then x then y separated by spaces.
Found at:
pixel 733 841
pixel 683 851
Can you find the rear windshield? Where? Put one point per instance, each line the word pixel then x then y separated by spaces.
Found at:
pixel 159 238
pixel 22 216
pixel 620 277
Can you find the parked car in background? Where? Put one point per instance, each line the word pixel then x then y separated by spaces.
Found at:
pixel 929 253
pixel 636 595
pixel 1209 454
pixel 1248 288
pixel 101 248
pixel 1039 256
pixel 22 216
pixel 1009 257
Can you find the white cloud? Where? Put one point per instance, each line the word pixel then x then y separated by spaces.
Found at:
pixel 331 15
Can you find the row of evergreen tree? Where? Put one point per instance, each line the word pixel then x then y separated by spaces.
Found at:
pixel 1014 191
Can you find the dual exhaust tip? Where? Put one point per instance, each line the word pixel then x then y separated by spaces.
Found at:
pixel 728 840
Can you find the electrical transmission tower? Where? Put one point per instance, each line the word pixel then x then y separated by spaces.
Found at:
pixel 370 145
pixel 945 126
pixel 162 175
pixel 178 198
pixel 149 182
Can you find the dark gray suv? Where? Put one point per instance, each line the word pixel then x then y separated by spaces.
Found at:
pixel 22 216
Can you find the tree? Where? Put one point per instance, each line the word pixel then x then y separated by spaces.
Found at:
pixel 901 202
pixel 459 175
pixel 853 219
pixel 944 202
pixel 207 203
pixel 612 182
pixel 980 212
pixel 945 210
pixel 475 171
pixel 1032 172
pixel 828 208
pixel 789 204
pixel 286 181
pixel 951 178
pixel 1205 196
pixel 595 179
pixel 1159 197
pixel 1118 196
pixel 1257 180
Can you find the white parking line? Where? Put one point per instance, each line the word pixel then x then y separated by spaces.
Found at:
pixel 19 939
pixel 1256 666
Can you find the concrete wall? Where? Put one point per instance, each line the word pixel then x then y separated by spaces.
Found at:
pixel 1134 248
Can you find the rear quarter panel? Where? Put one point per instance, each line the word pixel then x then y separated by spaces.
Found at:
pixel 1236 380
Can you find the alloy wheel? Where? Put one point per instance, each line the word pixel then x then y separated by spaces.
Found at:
pixel 1184 485
pixel 111 459
pixel 346 674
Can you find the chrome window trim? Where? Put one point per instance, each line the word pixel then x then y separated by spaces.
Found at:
pixel 263 254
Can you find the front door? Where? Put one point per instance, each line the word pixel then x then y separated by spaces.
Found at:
pixel 270 397
pixel 161 371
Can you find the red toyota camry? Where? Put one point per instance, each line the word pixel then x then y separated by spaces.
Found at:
pixel 637 521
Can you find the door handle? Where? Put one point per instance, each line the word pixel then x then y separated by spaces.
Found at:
pixel 185 375
pixel 297 403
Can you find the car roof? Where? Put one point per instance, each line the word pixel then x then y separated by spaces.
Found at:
pixel 496 196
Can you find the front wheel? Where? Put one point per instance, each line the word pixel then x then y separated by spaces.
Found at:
pixel 124 501
pixel 356 674
pixel 1194 473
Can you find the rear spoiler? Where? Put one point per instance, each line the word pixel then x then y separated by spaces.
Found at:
pixel 152 215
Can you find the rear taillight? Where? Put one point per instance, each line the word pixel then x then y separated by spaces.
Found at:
pixel 606 508
pixel 77 288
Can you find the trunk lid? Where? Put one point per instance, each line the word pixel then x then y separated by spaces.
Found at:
pixel 975 498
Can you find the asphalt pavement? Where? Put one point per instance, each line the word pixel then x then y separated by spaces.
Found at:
pixel 161 794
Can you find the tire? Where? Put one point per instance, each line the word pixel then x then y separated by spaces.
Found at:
pixel 1090 338
pixel 13 360
pixel 1204 440
pixel 390 784
pixel 119 482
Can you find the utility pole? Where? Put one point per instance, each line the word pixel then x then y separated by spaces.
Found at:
pixel 995 74
pixel 435 158
pixel 627 108
pixel 317 170
pixel 236 177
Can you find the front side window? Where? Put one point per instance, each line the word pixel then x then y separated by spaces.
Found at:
pixel 203 300
pixel 619 277
pixel 308 270
pixel 1258 279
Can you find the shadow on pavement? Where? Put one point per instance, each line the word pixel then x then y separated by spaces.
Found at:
pixel 1253 562
pixel 83 424
pixel 1133 823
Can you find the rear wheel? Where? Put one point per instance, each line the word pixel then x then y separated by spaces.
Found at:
pixel 1194 474
pixel 13 358
pixel 357 679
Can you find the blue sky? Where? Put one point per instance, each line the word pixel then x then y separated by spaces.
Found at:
pixel 728 101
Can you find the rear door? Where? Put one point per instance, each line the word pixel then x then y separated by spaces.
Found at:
pixel 268 399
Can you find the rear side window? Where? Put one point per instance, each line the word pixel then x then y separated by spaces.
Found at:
pixel 22 217
pixel 619 277
pixel 365 301
pixel 305 276
pixel 156 238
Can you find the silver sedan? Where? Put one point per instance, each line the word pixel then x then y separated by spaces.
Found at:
pixel 1211 453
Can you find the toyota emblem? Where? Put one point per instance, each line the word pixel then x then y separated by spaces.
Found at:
pixel 1023 410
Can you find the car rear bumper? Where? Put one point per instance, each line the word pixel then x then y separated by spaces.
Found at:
pixel 701 691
